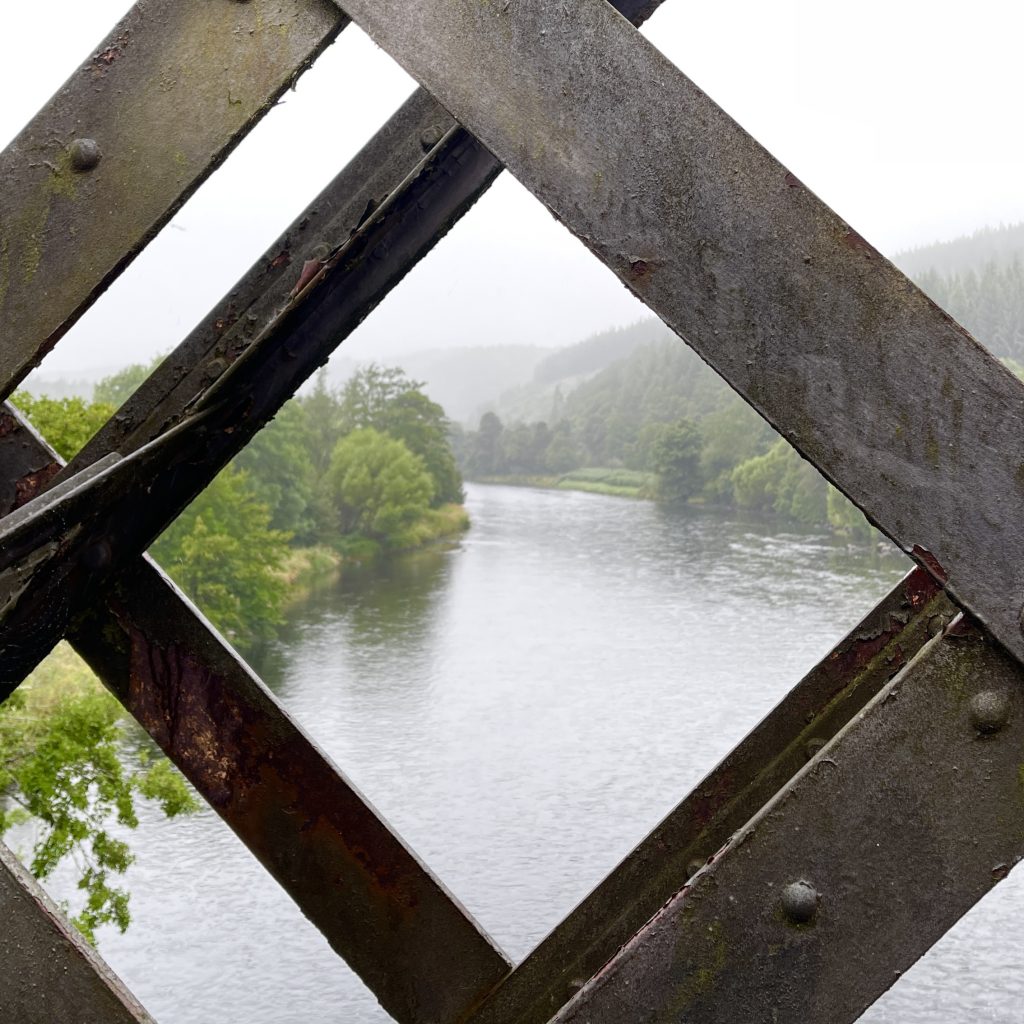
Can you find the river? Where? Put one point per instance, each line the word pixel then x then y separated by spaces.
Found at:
pixel 523 708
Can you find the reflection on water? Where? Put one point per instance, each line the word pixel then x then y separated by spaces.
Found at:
pixel 523 709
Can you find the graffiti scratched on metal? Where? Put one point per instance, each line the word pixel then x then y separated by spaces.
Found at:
pixel 49 973
pixel 125 141
pixel 862 862
pixel 872 382
pixel 809 716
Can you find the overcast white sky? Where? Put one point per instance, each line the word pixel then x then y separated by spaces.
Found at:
pixel 903 115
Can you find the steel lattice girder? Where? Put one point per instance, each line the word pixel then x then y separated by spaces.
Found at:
pixel 866 858
pixel 933 566
pixel 617 927
pixel 390 918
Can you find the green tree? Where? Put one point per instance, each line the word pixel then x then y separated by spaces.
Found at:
pixel 281 472
pixel 675 457
pixel 485 450
pixel 62 768
pixel 116 389
pixel 224 554
pixel 845 518
pixel 386 400
pixel 378 485
pixel 781 482
pixel 67 423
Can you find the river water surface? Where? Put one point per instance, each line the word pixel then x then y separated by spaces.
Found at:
pixel 523 708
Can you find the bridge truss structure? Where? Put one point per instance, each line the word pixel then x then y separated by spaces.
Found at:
pixel 878 802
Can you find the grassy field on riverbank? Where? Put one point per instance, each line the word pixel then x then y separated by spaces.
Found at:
pixel 619 483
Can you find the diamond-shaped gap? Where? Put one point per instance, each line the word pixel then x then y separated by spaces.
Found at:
pixel 580 879
pixel 522 709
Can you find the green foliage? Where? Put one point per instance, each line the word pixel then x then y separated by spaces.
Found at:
pixel 846 519
pixel 384 399
pixel 675 457
pixel 378 485
pixel 224 554
pixel 66 423
pixel 988 301
pixel 781 482
pixel 116 389
pixel 281 471
pixel 61 769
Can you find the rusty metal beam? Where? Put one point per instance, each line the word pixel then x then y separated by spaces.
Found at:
pixel 858 865
pixel 141 124
pixel 375 903
pixel 49 973
pixel 817 708
pixel 873 383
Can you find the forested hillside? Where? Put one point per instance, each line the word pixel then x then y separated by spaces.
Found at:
pixel 656 421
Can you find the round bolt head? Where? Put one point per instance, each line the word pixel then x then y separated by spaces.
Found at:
pixel 990 710
pixel 812 746
pixel 693 866
pixel 800 902
pixel 431 137
pixel 85 154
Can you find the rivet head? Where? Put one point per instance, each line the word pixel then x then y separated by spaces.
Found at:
pixel 85 154
pixel 990 710
pixel 800 902
pixel 812 746
pixel 693 866
pixel 431 137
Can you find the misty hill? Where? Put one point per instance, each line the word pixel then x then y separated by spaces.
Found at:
pixel 563 371
pixel 979 280
pixel 464 379
pixel 1001 245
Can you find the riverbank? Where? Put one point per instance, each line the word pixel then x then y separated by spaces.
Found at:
pixel 308 568
pixel 617 483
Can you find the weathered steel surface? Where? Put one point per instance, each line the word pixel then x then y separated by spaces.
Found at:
pixel 872 382
pixel 47 972
pixel 895 830
pixel 376 171
pixel 327 847
pixel 809 716
pixel 413 945
pixel 164 98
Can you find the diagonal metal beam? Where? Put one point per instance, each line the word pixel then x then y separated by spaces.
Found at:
pixel 873 383
pixel 859 865
pixel 128 138
pixel 369 895
pixel 763 763
pixel 49 973
pixel 256 299
pixel 38 605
